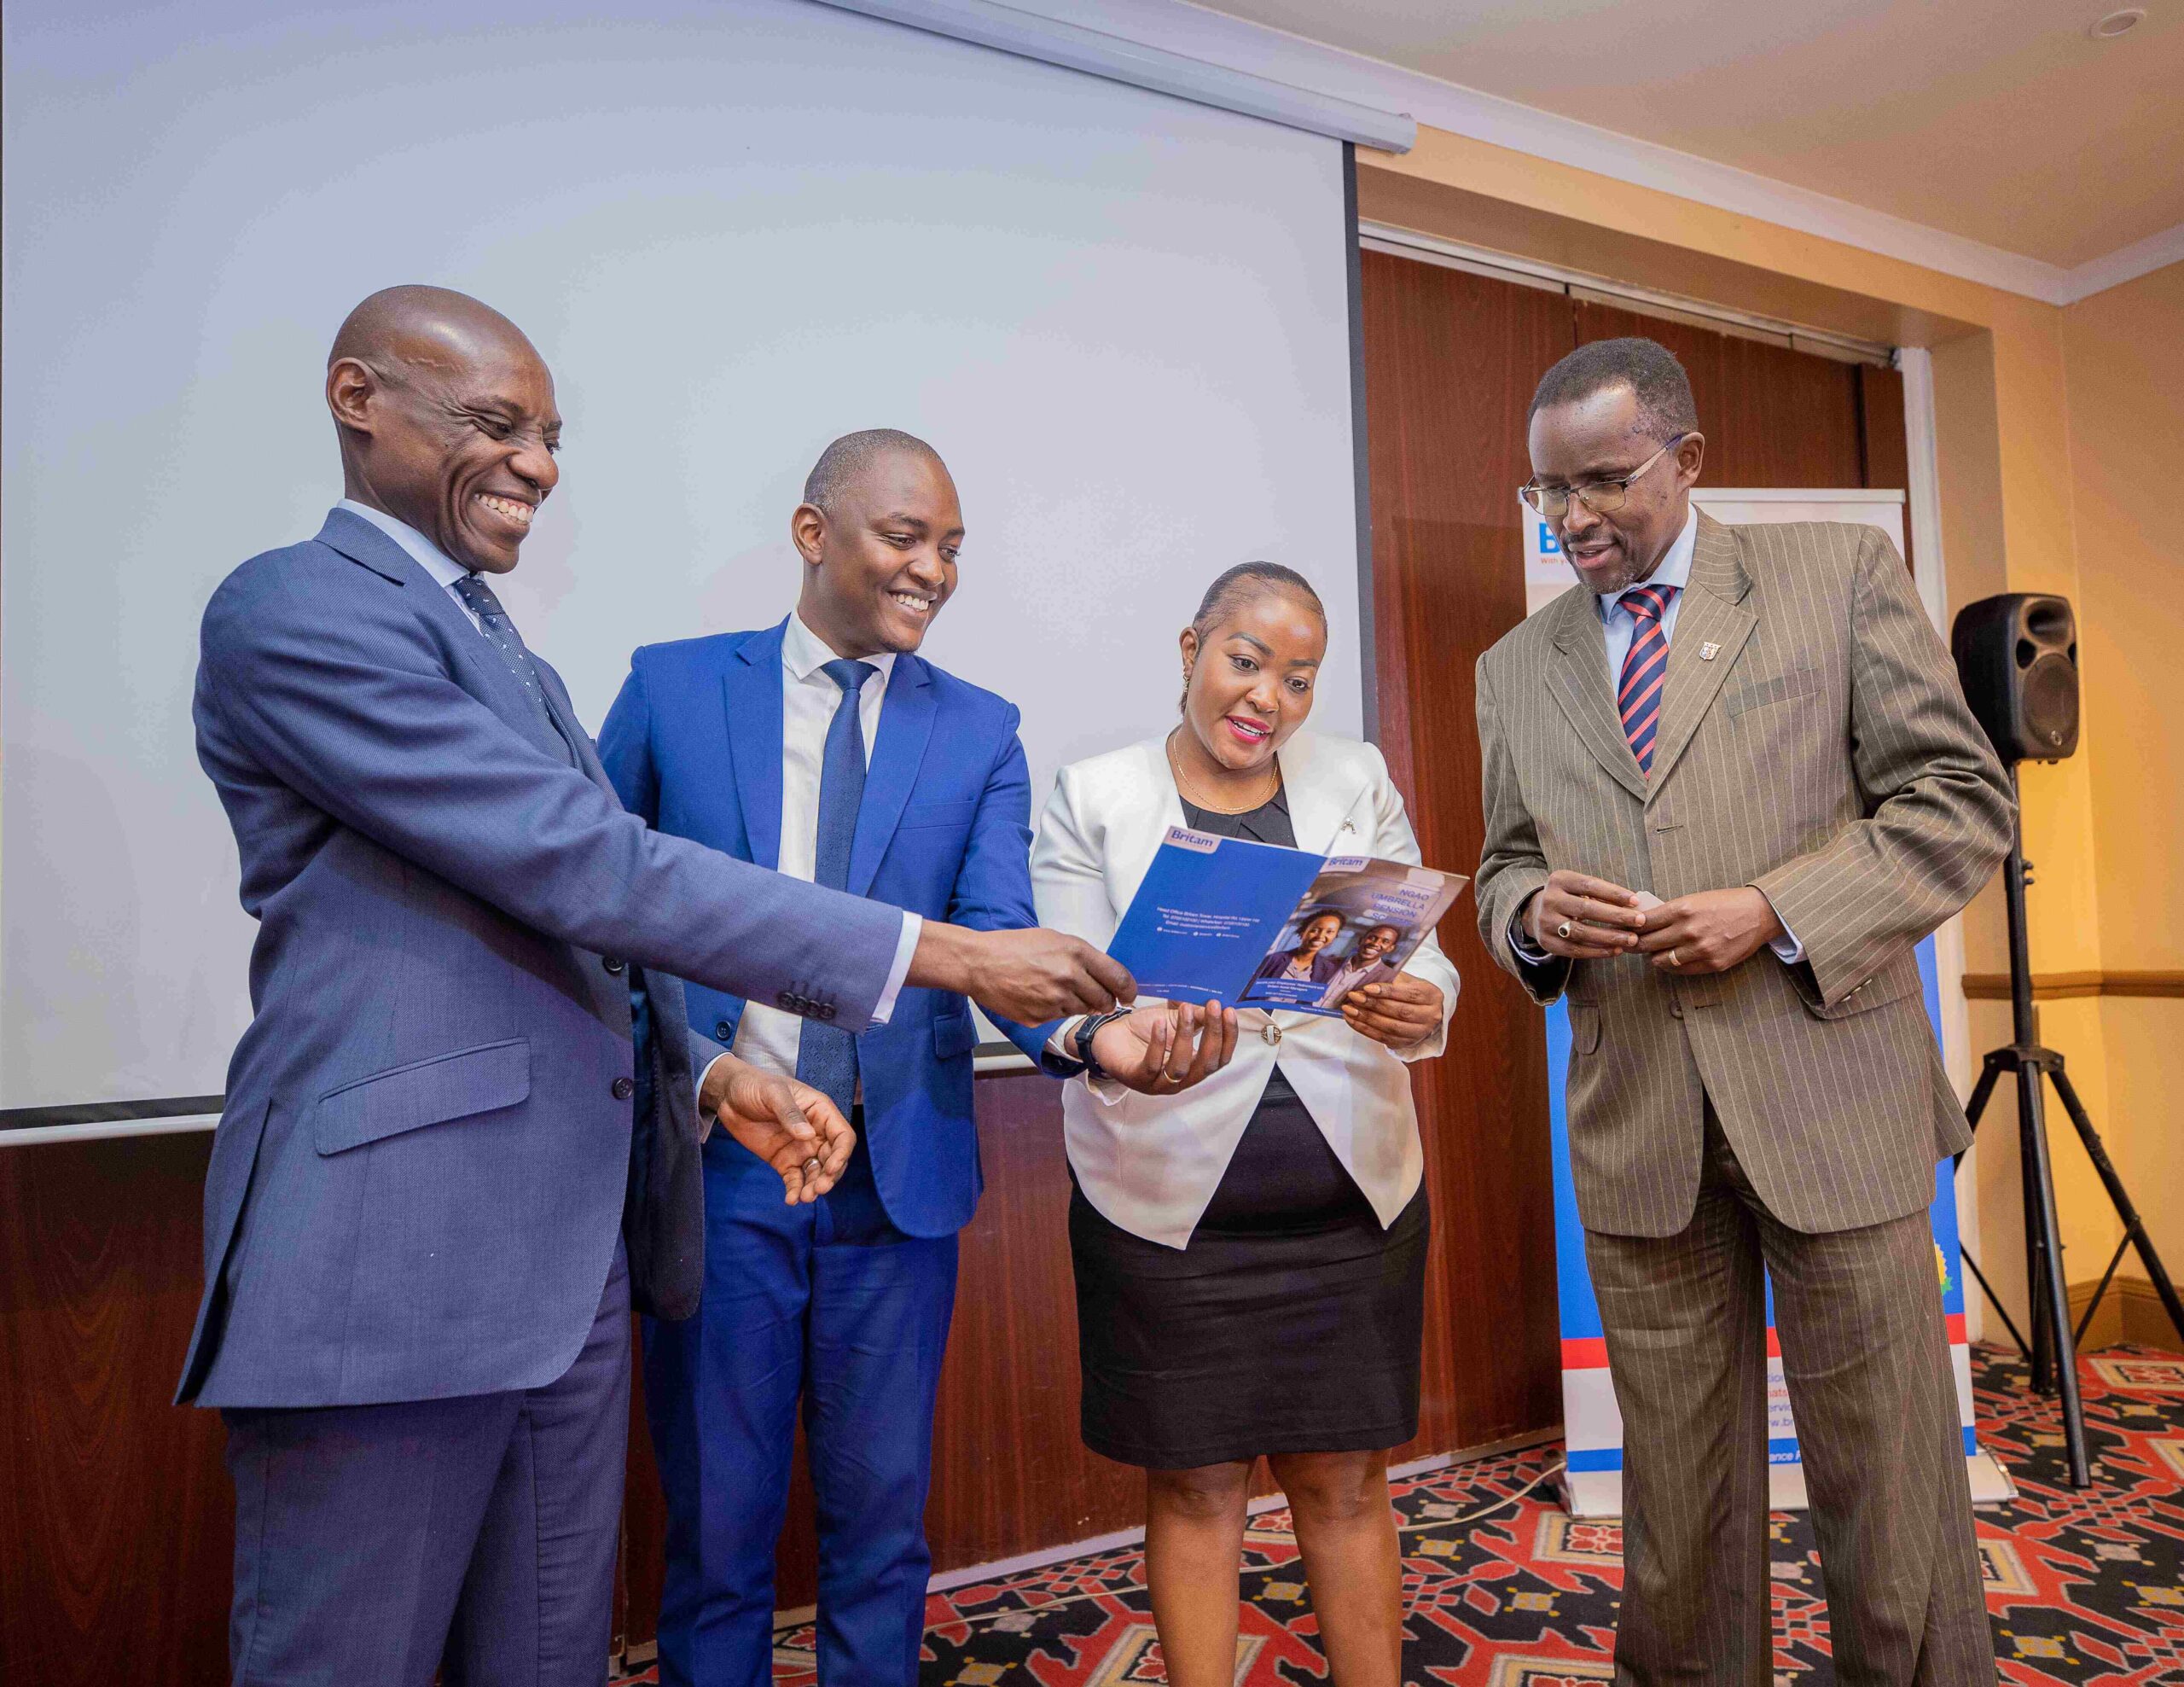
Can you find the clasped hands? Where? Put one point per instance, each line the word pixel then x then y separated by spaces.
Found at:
pixel 1579 918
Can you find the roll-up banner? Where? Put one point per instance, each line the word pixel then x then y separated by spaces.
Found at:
pixel 1593 1426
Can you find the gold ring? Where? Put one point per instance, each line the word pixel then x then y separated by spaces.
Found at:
pixel 812 1168
pixel 1672 959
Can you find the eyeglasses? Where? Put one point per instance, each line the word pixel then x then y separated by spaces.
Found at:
pixel 1599 496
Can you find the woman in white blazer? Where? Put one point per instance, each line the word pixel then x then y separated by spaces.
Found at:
pixel 1250 1251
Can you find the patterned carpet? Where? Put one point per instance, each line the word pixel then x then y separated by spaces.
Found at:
pixel 2082 1588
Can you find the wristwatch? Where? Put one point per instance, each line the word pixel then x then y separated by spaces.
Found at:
pixel 1080 1041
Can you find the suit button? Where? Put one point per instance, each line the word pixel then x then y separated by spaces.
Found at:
pixel 625 1088
pixel 613 964
pixel 723 1031
pixel 824 1010
pixel 1676 1010
pixel 786 1001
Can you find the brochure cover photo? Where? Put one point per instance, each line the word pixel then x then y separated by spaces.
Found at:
pixel 1252 924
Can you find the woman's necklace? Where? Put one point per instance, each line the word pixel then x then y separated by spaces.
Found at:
pixel 1176 767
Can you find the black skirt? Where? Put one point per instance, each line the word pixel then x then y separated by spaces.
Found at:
pixel 1291 1323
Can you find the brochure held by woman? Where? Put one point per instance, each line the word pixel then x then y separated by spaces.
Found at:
pixel 1255 925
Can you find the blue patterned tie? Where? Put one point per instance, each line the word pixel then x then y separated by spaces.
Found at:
pixel 500 633
pixel 1638 698
pixel 825 1055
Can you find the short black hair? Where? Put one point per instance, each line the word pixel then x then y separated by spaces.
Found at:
pixel 1647 367
pixel 850 455
pixel 1245 581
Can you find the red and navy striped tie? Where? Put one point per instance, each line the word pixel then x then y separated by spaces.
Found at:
pixel 1638 698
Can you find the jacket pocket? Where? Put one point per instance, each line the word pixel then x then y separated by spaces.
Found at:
pixel 1877 992
pixel 1585 1028
pixel 422 1092
pixel 954 1033
pixel 936 814
pixel 1798 682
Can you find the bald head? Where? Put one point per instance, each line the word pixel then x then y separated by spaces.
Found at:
pixel 854 456
pixel 446 418
pixel 423 327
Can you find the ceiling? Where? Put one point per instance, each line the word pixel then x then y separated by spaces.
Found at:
pixel 1996 119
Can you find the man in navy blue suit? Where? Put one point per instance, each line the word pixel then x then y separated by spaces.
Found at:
pixel 824 745
pixel 460 1135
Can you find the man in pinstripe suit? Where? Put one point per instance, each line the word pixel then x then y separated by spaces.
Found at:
pixel 1729 786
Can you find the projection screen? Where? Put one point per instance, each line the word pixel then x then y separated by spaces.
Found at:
pixel 735 230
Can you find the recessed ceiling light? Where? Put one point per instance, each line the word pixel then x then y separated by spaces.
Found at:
pixel 2116 23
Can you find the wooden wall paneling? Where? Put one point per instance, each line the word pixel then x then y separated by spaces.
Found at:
pixel 1772 417
pixel 117 1519
pixel 1450 362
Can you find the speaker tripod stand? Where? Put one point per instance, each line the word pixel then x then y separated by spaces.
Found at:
pixel 2053 1348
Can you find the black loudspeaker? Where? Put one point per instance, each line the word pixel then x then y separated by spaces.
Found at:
pixel 2018 656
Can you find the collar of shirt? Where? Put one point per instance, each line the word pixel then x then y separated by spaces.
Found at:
pixel 1673 569
pixel 430 557
pixel 803 653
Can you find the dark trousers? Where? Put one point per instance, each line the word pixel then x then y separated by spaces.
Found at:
pixel 826 1305
pixel 1866 1355
pixel 375 1543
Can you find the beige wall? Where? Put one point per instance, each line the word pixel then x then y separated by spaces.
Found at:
pixel 2123 360
pixel 2051 426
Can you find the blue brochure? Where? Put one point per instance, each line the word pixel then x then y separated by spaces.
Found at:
pixel 1228 920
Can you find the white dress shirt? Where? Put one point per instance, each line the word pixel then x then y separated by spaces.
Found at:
pixel 1621 626
pixel 802 747
pixel 767 1037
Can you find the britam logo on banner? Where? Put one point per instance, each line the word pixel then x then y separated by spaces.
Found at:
pixel 1593 1426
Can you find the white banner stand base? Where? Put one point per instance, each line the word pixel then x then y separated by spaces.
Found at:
pixel 1593 1495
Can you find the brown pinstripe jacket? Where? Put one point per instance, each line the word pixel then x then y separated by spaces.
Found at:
pixel 1825 754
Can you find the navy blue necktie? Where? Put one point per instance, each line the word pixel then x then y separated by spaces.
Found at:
pixel 500 633
pixel 825 1055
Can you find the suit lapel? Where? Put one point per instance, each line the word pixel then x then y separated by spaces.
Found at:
pixel 1317 805
pixel 1577 677
pixel 1147 821
pixel 905 726
pixel 753 687
pixel 1713 614
pixel 581 750
pixel 482 672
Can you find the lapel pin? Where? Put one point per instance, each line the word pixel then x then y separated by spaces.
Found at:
pixel 1708 652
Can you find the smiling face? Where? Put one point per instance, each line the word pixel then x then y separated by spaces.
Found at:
pixel 1602 436
pixel 1251 676
pixel 880 562
pixel 1317 932
pixel 1377 944
pixel 448 424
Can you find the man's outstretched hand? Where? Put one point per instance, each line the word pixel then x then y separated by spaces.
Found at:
pixel 1029 977
pixel 792 1126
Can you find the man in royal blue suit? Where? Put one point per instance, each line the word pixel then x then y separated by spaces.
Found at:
pixel 826 747
pixel 460 1135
